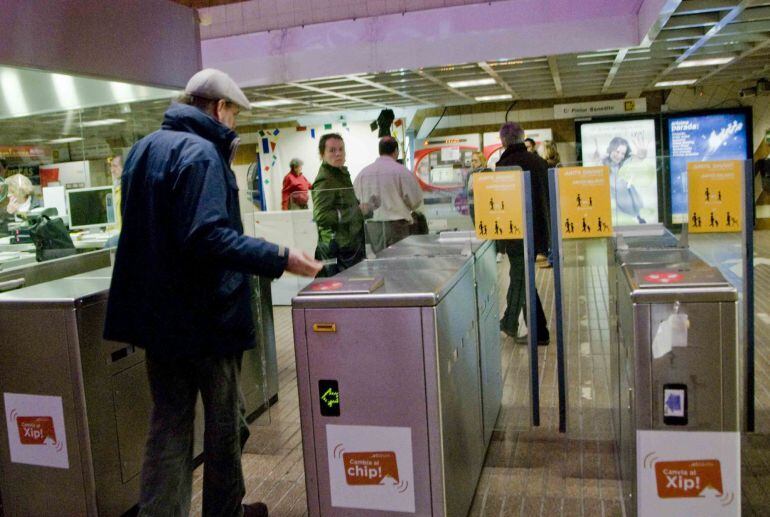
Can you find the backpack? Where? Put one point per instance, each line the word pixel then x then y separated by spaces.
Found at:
pixel 51 238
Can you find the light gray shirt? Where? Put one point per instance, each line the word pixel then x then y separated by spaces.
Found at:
pixel 390 183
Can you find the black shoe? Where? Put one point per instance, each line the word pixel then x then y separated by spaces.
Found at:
pixel 255 510
pixel 507 332
pixel 523 340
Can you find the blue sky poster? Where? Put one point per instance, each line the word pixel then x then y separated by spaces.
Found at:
pixel 701 138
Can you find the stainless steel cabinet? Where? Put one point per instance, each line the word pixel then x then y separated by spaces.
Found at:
pixel 401 361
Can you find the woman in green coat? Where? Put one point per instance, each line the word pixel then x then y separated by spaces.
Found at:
pixel 336 210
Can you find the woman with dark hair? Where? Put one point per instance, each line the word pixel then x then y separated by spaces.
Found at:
pixel 336 210
pixel 627 198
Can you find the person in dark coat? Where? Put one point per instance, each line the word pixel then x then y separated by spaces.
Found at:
pixel 516 154
pixel 180 290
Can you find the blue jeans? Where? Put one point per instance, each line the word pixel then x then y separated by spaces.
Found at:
pixel 166 484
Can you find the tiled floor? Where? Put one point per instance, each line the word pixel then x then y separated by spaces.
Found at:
pixel 527 471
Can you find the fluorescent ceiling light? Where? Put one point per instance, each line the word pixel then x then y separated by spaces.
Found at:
pixel 494 97
pixel 65 140
pixel 471 82
pixel 10 83
pixel 681 82
pixel 64 85
pixel 705 62
pixel 103 122
pixel 598 54
pixel 593 63
pixel 272 102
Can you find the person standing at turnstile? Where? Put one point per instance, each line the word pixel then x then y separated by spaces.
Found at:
pixel 180 289
pixel 516 154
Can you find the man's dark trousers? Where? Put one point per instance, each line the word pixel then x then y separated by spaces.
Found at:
pixel 167 470
pixel 517 293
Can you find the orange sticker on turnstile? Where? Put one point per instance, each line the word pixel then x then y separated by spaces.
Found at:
pixel 691 478
pixel 36 430
pixel 370 468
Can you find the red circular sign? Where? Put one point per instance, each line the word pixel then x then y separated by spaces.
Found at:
pixel 664 277
pixel 326 285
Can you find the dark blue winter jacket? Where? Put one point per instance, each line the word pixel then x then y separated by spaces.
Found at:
pixel 180 285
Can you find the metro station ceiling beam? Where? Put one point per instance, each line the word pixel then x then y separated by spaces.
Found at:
pixel 335 94
pixel 435 80
pixel 713 31
pixel 704 6
pixel 554 67
pixel 494 75
pixel 662 20
pixel 738 59
pixel 619 57
pixel 388 89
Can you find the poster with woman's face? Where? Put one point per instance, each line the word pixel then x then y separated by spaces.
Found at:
pixel 628 148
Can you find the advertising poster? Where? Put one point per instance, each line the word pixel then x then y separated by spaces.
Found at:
pixel 688 473
pixel 584 202
pixel 499 211
pixel 371 467
pixel 714 193
pixel 627 148
pixel 701 138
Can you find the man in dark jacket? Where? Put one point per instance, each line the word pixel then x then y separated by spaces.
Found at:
pixel 516 154
pixel 180 290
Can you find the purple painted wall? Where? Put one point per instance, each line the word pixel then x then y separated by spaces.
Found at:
pixel 501 30
pixel 154 42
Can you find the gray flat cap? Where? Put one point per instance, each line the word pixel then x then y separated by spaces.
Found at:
pixel 211 83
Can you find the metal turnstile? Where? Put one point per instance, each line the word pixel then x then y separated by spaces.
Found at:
pixel 75 405
pixel 677 357
pixel 51 346
pixel 466 244
pixel 650 244
pixel 389 388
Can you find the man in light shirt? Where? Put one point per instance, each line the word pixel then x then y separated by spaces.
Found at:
pixel 388 193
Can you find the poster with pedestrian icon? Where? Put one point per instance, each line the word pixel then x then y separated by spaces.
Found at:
pixel 714 193
pixel 498 201
pixel 585 205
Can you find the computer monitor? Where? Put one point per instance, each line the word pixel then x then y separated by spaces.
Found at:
pixel 91 207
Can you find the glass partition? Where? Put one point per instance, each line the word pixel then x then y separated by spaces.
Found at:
pixel 63 141
pixel 589 277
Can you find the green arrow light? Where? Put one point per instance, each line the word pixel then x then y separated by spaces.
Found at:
pixel 331 397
